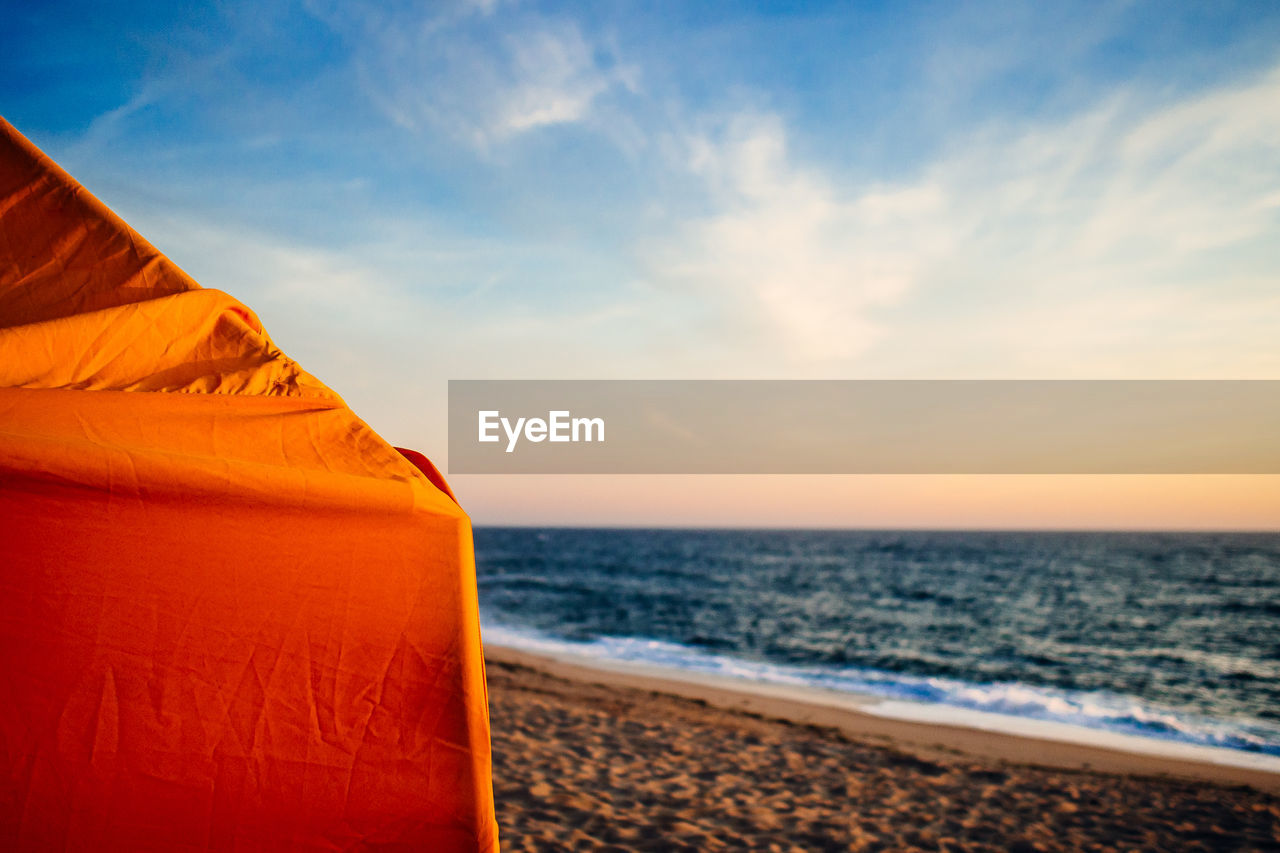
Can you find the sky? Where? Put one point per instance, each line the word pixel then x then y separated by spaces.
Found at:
pixel 408 193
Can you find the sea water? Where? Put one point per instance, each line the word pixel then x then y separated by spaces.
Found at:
pixel 1173 637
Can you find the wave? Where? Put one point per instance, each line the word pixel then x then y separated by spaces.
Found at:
pixel 931 698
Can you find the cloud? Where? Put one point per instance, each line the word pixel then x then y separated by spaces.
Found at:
pixel 553 81
pixel 1118 226
pixel 788 255
pixel 480 73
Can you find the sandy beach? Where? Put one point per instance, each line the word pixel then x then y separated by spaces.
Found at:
pixel 595 759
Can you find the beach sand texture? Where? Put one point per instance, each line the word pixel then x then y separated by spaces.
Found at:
pixel 596 761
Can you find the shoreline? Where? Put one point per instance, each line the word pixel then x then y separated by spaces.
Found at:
pixel 851 715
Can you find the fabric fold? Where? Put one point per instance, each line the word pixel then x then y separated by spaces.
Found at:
pixel 232 616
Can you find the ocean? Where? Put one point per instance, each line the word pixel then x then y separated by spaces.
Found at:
pixel 1172 637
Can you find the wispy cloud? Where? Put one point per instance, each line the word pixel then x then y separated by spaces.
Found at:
pixel 786 253
pixel 1109 227
pixel 554 79
pixel 480 72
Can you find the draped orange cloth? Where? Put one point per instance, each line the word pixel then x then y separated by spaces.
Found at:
pixel 232 617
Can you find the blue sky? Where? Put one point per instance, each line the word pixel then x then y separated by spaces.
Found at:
pixel 408 193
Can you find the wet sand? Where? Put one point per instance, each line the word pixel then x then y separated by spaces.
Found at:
pixel 589 759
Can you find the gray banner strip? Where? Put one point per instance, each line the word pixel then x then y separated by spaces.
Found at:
pixel 864 427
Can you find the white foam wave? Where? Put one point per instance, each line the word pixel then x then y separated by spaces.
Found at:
pixel 1096 718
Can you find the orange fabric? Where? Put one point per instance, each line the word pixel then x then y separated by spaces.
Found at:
pixel 232 617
